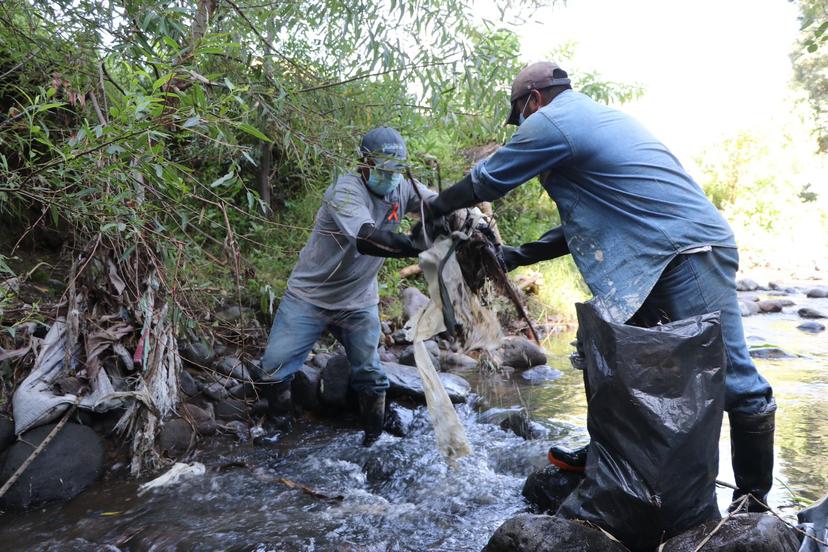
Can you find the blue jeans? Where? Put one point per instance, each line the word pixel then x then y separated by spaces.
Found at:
pixel 704 282
pixel 298 325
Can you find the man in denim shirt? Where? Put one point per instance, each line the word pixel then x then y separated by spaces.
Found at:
pixel 650 245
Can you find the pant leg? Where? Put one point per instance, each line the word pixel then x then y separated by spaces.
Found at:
pixel 296 327
pixel 359 331
pixel 704 282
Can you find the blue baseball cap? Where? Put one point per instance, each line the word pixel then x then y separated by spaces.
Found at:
pixel 386 147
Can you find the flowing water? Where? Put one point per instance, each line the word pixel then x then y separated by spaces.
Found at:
pixel 400 495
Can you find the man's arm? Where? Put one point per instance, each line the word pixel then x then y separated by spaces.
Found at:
pixel 384 243
pixel 536 147
pixel 551 245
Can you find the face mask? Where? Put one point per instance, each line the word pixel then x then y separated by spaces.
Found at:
pixel 522 117
pixel 383 182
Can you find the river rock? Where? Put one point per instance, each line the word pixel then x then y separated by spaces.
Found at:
pixel 71 462
pixel 770 353
pixel 399 337
pixel 244 390
pixel 238 428
pixel 231 409
pixel 175 437
pixel 748 308
pixel 320 360
pixel 407 356
pixel 458 361
pixel 540 374
pixel 196 352
pixel 6 432
pixel 405 382
pixel 514 419
pixel 819 292
pixel 200 419
pixel 811 326
pixel 520 353
pixel 740 533
pixel 398 420
pixel 808 312
pixel 215 391
pixel 305 387
pixel 746 284
pixel 187 383
pixel 233 313
pixel 541 533
pixel 545 489
pixel 334 382
pixel 774 305
pixel 233 367
pixel 413 301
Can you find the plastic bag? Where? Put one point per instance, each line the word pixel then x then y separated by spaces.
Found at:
pixel 656 397
pixel 814 521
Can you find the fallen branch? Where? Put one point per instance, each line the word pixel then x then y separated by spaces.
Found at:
pixel 410 271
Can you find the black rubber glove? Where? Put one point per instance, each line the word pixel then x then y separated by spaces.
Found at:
pixel 549 246
pixel 458 196
pixel 383 243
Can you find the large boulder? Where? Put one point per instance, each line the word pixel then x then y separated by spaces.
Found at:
pixel 335 381
pixel 808 312
pixel 540 533
pixel 518 352
pixel 70 463
pixel 811 326
pixel 406 382
pixel 407 356
pixel 545 489
pixel 413 301
pixel 740 533
pixel 305 387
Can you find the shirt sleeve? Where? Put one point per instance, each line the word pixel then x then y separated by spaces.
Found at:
pixel 348 208
pixel 412 203
pixel 537 146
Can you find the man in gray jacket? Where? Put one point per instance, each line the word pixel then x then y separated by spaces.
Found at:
pixel 334 284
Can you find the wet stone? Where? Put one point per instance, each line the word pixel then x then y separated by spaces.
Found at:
pixel 520 353
pixel 811 326
pixel 541 533
pixel 514 419
pixel 540 374
pixel 243 391
pixel 407 356
pixel 774 305
pixel 817 292
pixel 746 284
pixel 305 387
pixel 398 420
pixel 770 353
pixel 175 437
pixel 740 533
pixel 808 312
pixel 413 301
pixel 231 366
pixel 200 419
pixel 196 352
pixel 71 462
pixel 748 308
pixel 215 391
pixel 405 381
pixel 334 382
pixel 546 488
pixel 187 384
pixel 399 337
pixel 231 409
pixel 320 360
pixel 459 361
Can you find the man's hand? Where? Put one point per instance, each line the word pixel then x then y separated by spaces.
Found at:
pixel 549 246
pixel 383 243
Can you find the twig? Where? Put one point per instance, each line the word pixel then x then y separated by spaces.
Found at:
pixel 36 452
pixel 741 503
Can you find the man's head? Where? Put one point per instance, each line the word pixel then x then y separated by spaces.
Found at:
pixel 535 86
pixel 383 159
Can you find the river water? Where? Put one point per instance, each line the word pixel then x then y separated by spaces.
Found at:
pixel 400 495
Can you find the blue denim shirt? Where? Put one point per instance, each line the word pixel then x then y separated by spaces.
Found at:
pixel 627 205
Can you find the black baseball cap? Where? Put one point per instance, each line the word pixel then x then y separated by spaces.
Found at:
pixel 536 76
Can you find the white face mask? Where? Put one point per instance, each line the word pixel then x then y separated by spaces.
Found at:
pixel 522 117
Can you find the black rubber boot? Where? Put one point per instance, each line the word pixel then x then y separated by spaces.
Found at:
pixel 568 460
pixel 278 397
pixel 751 452
pixel 372 412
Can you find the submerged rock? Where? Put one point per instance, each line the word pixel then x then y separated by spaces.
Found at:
pixel 546 488
pixel 71 462
pixel 808 312
pixel 405 382
pixel 540 374
pixel 398 420
pixel 518 352
pixel 740 533
pixel 459 361
pixel 540 533
pixel 514 419
pixel 811 326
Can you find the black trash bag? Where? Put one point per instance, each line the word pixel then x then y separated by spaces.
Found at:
pixel 655 403
pixel 814 522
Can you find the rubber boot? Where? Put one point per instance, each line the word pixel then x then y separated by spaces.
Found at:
pixel 372 412
pixel 751 451
pixel 568 460
pixel 278 397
